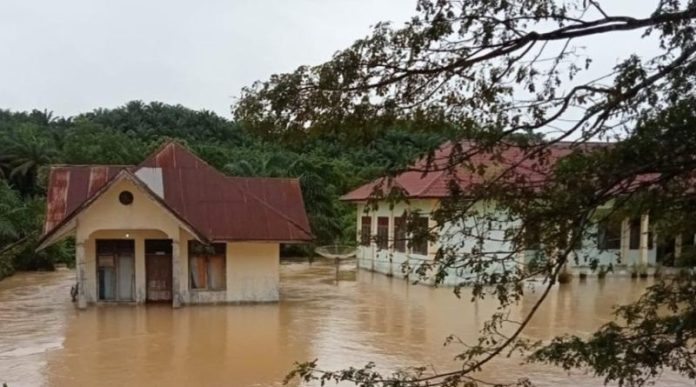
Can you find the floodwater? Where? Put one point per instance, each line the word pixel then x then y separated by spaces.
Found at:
pixel 44 340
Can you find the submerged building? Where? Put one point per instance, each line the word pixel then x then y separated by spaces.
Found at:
pixel 173 229
pixel 386 247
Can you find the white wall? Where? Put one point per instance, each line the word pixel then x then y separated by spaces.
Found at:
pixel 461 237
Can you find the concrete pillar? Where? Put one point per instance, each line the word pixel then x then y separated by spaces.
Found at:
pixel 390 243
pixel 373 242
pixel 176 274
pixel 140 268
pixel 625 239
pixel 80 264
pixel 644 233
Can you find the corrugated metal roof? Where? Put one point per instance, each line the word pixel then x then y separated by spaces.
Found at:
pixel 219 207
pixel 423 180
pixel 69 186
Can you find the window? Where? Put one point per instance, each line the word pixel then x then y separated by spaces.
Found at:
pixel 207 266
pixel 383 233
pixel 609 235
pixel 634 238
pixel 400 234
pixel 532 238
pixel 419 242
pixel 365 230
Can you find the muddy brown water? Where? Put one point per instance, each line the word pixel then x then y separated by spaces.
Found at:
pixel 44 340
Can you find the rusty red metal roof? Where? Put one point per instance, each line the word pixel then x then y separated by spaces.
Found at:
pixel 71 185
pixel 432 178
pixel 217 206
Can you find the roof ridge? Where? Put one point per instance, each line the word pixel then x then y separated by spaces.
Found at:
pixel 63 165
pixel 176 143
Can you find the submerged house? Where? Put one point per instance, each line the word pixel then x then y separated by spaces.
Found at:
pixel 173 229
pixel 385 247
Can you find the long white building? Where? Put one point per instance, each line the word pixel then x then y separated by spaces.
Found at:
pixel 385 246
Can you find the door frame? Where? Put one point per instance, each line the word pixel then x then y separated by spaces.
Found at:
pixel 147 272
pixel 116 269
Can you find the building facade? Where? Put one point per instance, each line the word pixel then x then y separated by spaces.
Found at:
pixel 173 229
pixel 384 244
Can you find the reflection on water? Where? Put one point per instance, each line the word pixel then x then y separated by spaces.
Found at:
pixel 44 340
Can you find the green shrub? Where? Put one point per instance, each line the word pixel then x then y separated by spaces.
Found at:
pixel 687 258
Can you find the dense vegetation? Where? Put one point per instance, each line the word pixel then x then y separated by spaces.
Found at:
pixel 518 69
pixel 327 164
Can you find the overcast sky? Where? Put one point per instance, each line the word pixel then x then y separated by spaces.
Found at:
pixel 72 56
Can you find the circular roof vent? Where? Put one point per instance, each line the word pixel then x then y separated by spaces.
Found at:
pixel 125 197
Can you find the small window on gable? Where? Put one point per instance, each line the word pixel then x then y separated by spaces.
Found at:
pixel 365 230
pixel 207 266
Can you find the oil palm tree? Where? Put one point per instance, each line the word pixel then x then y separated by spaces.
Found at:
pixel 25 150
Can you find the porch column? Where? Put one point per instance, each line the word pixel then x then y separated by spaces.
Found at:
pixel 80 263
pixel 644 224
pixel 625 239
pixel 390 242
pixel 176 274
pixel 677 246
pixel 373 239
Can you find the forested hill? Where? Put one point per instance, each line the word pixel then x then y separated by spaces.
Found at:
pixel 328 164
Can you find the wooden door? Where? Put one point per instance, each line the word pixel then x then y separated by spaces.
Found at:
pixel 158 270
pixel 159 277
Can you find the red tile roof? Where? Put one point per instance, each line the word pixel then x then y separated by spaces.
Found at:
pixel 217 206
pixel 432 178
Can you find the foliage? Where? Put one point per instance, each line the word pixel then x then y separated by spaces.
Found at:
pixel 496 74
pixel 327 166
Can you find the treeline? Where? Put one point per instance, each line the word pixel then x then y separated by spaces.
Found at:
pixel 328 163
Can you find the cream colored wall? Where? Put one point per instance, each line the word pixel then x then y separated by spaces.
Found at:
pixel 107 213
pixel 252 274
pixel 107 218
pixel 252 267
pixel 252 271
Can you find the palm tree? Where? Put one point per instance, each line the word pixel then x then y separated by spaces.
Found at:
pixel 24 152
pixel 12 211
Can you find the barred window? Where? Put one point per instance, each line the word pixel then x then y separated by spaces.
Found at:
pixel 400 234
pixel 365 230
pixel 609 235
pixel 419 240
pixel 383 233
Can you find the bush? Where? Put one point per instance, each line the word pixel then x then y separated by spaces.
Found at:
pixel 687 258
